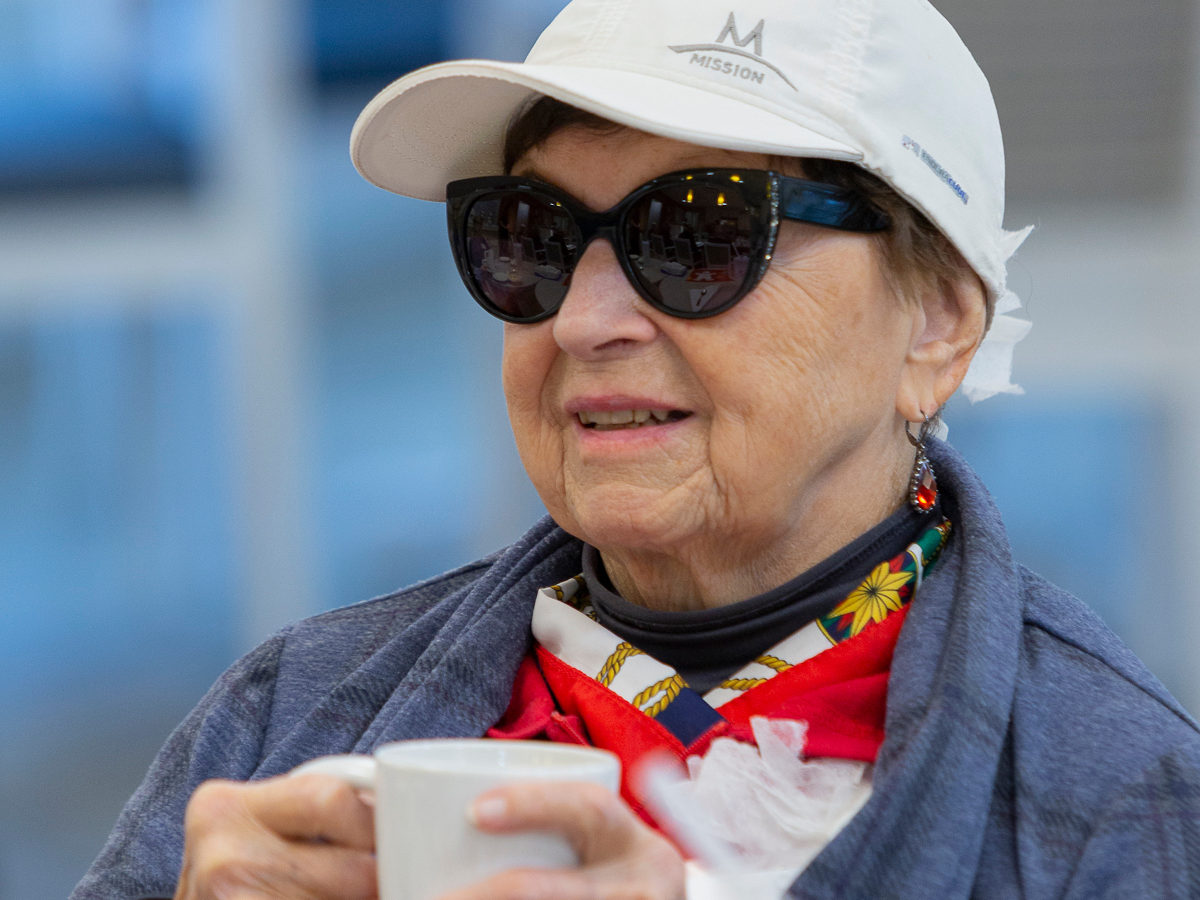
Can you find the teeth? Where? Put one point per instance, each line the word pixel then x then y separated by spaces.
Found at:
pixel 621 417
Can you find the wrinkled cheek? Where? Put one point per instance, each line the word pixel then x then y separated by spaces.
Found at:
pixel 525 366
pixel 541 449
pixel 755 469
pixel 532 437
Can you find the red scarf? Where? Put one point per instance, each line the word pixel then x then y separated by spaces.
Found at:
pixel 841 693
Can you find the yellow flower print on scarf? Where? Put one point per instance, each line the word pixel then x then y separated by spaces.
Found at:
pixel 872 600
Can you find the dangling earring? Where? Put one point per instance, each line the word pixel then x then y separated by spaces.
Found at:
pixel 922 485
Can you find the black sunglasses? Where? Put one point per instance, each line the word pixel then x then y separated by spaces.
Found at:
pixel 692 243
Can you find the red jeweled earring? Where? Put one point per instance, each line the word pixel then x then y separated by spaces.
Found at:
pixel 922 485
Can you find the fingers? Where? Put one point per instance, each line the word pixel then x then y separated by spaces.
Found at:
pixel 620 857
pixel 589 816
pixel 608 883
pixel 314 807
pixel 312 872
pixel 538 884
pixel 303 837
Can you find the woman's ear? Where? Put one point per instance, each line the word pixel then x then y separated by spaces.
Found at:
pixel 947 329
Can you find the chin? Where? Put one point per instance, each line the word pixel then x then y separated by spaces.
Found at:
pixel 628 518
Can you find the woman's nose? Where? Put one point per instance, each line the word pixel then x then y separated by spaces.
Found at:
pixel 602 315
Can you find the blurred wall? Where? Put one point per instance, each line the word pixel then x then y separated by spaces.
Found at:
pixel 239 385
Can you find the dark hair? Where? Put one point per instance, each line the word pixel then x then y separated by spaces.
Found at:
pixel 917 255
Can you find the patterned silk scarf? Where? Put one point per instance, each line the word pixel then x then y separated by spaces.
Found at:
pixel 584 684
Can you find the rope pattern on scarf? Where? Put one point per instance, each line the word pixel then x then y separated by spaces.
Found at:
pixel 742 684
pixel 669 686
pixel 745 684
pixel 613 664
pixel 774 662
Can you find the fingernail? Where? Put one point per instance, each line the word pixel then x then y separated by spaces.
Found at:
pixel 367 798
pixel 487 810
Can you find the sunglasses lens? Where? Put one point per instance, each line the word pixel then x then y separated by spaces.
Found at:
pixel 520 248
pixel 693 245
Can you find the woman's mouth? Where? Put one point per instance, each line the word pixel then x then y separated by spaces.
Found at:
pixel 612 420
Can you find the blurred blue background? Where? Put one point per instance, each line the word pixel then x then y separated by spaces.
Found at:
pixel 238 385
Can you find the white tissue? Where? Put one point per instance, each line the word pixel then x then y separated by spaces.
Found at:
pixel 775 810
pixel 1011 241
pixel 703 884
pixel 990 371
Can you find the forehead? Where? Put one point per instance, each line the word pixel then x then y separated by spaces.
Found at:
pixel 601 167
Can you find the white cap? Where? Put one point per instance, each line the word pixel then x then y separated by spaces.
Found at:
pixel 886 84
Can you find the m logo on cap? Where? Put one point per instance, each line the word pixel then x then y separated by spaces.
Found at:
pixel 724 66
pixel 730 30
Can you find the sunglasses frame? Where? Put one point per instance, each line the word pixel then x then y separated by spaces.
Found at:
pixel 784 197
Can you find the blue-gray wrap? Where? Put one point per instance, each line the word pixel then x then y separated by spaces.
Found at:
pixel 1028 753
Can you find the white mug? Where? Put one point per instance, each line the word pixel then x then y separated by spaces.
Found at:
pixel 424 843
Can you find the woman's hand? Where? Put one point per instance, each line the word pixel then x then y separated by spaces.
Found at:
pixel 301 837
pixel 620 857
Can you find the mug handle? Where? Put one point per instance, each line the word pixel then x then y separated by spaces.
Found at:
pixel 353 768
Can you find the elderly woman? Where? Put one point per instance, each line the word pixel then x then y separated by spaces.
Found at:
pixel 743 260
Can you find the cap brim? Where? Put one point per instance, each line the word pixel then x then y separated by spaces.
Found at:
pixel 448 121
